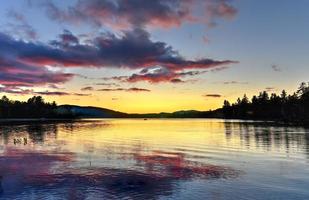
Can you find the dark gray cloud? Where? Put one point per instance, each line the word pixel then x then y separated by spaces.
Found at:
pixel 134 50
pixel 269 89
pixel 161 74
pixel 177 80
pixel 108 84
pixel 52 93
pixel 88 88
pixel 124 14
pixel 276 68
pixel 19 91
pixel 234 82
pixel 134 89
pixel 213 95
pixel 65 39
pixel 58 93
pixel 24 63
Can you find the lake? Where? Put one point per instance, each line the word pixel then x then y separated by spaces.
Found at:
pixel 154 159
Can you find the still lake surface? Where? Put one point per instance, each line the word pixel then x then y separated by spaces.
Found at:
pixel 154 159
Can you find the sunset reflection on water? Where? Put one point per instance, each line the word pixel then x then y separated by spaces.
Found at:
pixel 154 159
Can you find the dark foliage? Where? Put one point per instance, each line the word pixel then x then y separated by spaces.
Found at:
pixel 35 107
pixel 283 107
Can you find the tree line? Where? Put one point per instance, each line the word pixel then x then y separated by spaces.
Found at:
pixel 34 107
pixel 265 106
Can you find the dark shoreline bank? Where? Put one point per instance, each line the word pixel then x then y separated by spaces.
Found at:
pixel 25 121
pixel 20 121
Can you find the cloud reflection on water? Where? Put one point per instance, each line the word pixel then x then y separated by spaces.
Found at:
pixel 40 167
pixel 38 171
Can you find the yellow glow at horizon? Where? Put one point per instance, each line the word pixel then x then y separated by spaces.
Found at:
pixel 136 102
pixel 162 98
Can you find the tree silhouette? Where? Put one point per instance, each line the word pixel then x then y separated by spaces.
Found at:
pixel 34 107
pixel 283 107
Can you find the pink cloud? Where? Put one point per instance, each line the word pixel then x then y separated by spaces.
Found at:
pixel 123 14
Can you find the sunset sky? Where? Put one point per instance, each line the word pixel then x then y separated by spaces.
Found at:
pixel 142 56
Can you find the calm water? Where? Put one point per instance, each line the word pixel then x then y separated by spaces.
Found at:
pixel 154 159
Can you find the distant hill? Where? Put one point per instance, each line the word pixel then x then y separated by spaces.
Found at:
pixel 96 112
pixel 88 112
pixel 181 114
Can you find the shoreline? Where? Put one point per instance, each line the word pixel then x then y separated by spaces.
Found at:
pixel 20 121
pixel 17 121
